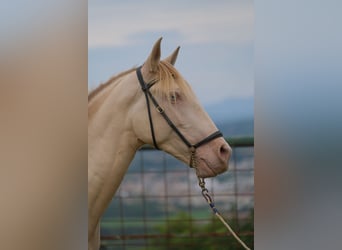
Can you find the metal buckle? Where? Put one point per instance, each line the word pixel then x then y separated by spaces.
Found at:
pixel 160 109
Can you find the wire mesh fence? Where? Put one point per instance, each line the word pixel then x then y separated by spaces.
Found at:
pixel 159 204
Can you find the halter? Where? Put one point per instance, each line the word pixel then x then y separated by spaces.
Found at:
pixel 148 95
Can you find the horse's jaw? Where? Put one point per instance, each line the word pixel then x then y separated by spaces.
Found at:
pixel 206 170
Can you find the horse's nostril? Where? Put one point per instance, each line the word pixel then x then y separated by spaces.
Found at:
pixel 224 149
pixel 225 152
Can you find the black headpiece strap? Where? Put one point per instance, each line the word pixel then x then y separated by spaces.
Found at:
pixel 146 89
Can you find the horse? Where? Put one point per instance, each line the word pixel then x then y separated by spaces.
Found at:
pixel 121 119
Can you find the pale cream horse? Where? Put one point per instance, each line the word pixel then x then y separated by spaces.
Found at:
pixel 118 125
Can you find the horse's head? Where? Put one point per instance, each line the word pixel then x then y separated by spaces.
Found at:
pixel 174 95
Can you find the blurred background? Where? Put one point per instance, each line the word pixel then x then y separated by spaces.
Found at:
pixel 43 132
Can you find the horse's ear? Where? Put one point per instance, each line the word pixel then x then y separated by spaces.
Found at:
pixel 173 57
pixel 154 58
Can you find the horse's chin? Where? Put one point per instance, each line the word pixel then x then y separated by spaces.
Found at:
pixel 206 170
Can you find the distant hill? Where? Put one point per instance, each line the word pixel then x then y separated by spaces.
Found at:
pixel 231 110
pixel 234 117
pixel 237 128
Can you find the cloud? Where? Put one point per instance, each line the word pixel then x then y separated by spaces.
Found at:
pixel 115 24
pixel 216 39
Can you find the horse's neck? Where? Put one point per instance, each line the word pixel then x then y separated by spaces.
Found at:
pixel 112 146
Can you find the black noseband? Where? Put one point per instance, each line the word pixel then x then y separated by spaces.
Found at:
pixel 148 95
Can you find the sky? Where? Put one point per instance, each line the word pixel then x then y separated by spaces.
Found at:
pixel 216 39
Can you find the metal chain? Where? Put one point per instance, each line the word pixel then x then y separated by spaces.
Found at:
pixel 193 158
pixel 207 197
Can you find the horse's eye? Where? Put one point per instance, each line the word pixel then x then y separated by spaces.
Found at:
pixel 174 97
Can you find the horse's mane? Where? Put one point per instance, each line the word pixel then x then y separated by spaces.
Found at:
pixel 94 92
pixel 168 80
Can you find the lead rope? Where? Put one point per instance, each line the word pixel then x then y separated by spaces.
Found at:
pixel 207 197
